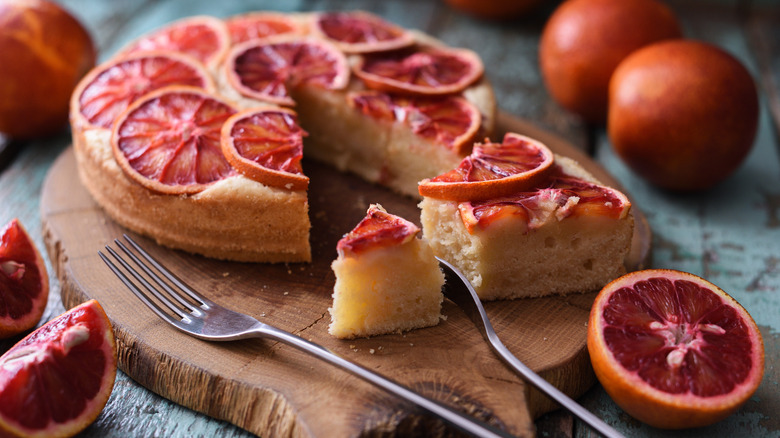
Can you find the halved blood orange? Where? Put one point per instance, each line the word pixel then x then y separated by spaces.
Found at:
pixel 361 32
pixel 57 380
pixel 109 89
pixel 674 350
pixel 268 69
pixel 266 145
pixel 24 283
pixel 493 170
pixel 254 25
pixel 169 140
pixel 202 37
pixel 377 229
pixel 420 70
pixel 449 120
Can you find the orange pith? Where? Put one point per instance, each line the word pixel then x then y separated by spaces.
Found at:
pixel 268 69
pixel 493 170
pixel 266 145
pixel 449 121
pixel 108 90
pixel 361 32
pixel 56 381
pixel 378 229
pixel 252 26
pixel 674 350
pixel 420 70
pixel 169 140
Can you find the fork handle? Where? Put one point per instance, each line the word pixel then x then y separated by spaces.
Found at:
pixel 453 417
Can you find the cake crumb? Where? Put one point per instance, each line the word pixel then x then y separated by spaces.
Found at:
pixel 225 274
pixel 286 293
pixel 352 346
pixel 372 351
pixel 411 345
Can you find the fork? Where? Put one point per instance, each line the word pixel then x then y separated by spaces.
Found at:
pixel 459 290
pixel 202 318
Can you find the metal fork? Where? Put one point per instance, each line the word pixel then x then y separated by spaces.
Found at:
pixel 206 320
pixel 458 289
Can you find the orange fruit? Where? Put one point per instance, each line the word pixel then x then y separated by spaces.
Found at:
pixel 674 350
pixel 44 51
pixel 254 25
pixel 584 41
pixel 268 69
pixel 24 282
pixel 420 70
pixel 683 114
pixel 493 170
pixel 109 89
pixel 169 140
pixel 495 9
pixel 57 380
pixel 202 37
pixel 361 32
pixel 450 121
pixel 378 228
pixel 266 145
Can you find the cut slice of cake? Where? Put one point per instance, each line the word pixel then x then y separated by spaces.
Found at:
pixel 387 279
pixel 567 234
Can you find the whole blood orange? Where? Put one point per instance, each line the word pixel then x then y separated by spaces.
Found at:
pixel 44 51
pixel 672 349
pixel 24 283
pixel 57 380
pixel 584 40
pixel 683 114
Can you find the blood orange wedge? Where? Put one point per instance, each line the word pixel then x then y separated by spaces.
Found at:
pixel 266 145
pixel 450 121
pixel 493 170
pixel 109 89
pixel 377 229
pixel 256 25
pixel 169 140
pixel 420 70
pixel 202 37
pixel 268 69
pixel 361 32
pixel 24 283
pixel 674 350
pixel 57 380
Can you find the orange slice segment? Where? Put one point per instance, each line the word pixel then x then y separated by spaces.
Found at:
pixel 255 25
pixel 377 229
pixel 361 32
pixel 109 89
pixel 493 170
pixel 266 145
pixel 420 70
pixel 267 69
pixel 169 140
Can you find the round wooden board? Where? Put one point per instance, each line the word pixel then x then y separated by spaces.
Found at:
pixel 274 390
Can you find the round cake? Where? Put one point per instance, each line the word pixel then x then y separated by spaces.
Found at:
pixel 193 134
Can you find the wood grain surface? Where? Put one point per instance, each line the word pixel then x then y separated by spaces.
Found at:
pixel 271 389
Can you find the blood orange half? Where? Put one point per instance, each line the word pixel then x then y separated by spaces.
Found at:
pixel 266 145
pixel 377 229
pixel 254 25
pixel 361 32
pixel 268 69
pixel 57 380
pixel 674 350
pixel 24 283
pixel 420 70
pixel 169 140
pixel 493 170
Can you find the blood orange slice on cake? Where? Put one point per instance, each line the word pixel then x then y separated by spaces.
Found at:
pixel 420 70
pixel 378 228
pixel 169 140
pixel 57 380
pixel 256 25
pixel 268 69
pixel 24 283
pixel 493 170
pixel 674 350
pixel 266 145
pixel 361 32
pixel 109 89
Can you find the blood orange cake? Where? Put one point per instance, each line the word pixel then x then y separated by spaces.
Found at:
pixel 387 279
pixel 554 230
pixel 193 134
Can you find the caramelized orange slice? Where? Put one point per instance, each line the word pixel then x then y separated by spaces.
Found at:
pixel 378 229
pixel 255 25
pixel 361 32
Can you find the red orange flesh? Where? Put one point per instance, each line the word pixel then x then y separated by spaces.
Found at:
pixel 361 32
pixel 378 229
pixel 256 25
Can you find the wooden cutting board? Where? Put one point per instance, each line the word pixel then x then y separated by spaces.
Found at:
pixel 274 390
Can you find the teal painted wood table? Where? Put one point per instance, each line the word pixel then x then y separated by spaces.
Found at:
pixel 729 235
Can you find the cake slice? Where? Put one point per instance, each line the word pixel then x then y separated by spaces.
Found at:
pixel 387 279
